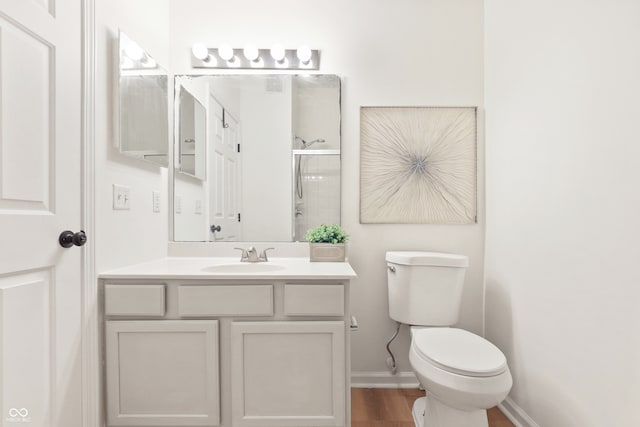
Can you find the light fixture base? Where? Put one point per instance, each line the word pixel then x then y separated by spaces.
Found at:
pixel 264 62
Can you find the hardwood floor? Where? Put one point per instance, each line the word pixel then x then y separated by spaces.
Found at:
pixel 391 407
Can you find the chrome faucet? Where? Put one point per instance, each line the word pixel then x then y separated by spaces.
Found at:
pixel 251 255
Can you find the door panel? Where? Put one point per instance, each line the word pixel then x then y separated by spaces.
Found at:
pixel 48 5
pixel 162 373
pixel 40 196
pixel 288 374
pixel 26 131
pixel 25 301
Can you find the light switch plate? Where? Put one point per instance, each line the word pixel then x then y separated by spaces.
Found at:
pixel 156 201
pixel 198 209
pixel 178 204
pixel 121 197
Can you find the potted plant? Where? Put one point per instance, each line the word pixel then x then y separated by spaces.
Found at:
pixel 327 243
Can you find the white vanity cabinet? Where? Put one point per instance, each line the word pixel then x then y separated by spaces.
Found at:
pixel 225 351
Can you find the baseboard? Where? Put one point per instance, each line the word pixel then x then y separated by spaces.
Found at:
pixel 382 379
pixel 516 414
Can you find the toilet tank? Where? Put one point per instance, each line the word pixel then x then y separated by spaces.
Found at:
pixel 425 288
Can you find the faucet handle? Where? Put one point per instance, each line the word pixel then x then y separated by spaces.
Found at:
pixel 243 256
pixel 263 255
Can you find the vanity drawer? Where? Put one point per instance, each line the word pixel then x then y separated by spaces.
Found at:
pixel 313 300
pixel 134 300
pixel 225 300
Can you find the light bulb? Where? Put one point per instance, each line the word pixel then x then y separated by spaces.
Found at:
pixel 278 52
pixel 149 62
pixel 133 51
pixel 304 54
pixel 226 52
pixel 200 51
pixel 251 52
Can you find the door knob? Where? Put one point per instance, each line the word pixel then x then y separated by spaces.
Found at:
pixel 215 228
pixel 69 238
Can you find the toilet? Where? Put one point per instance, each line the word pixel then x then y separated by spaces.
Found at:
pixel 463 374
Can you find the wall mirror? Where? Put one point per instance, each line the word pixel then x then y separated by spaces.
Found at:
pixel 143 118
pixel 270 158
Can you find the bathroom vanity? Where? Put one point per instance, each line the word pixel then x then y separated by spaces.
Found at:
pixel 217 342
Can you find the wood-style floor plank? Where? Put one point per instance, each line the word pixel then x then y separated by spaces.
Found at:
pixel 389 407
pixel 381 424
pixel 497 418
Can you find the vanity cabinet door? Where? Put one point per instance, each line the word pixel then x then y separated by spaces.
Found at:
pixel 288 373
pixel 162 373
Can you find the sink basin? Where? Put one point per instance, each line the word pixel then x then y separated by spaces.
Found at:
pixel 244 268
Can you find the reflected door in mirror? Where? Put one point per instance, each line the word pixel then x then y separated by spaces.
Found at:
pixel 225 167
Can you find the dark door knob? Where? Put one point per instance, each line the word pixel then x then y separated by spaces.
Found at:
pixel 69 238
pixel 215 228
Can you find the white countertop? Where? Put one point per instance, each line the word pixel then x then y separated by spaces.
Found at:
pixel 231 268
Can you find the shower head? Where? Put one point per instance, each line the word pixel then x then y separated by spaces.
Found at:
pixel 307 144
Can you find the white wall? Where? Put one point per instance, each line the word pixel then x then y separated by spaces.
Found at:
pixel 126 237
pixel 316 112
pixel 191 224
pixel 409 52
pixel 563 207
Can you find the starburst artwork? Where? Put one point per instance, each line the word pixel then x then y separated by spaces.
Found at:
pixel 418 165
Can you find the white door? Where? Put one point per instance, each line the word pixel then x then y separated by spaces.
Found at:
pixel 225 173
pixel 40 196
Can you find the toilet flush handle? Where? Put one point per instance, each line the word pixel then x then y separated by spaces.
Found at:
pixel 392 268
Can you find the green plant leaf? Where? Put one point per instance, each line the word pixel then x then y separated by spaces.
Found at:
pixel 327 234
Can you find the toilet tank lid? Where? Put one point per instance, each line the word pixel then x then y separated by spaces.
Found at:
pixel 427 258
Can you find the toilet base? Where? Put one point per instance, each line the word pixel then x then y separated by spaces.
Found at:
pixel 430 412
pixel 418 411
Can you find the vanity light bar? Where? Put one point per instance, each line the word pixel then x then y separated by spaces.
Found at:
pixel 276 58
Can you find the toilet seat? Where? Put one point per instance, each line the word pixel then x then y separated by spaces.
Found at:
pixel 458 351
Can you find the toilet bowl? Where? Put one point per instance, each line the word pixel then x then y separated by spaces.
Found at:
pixel 463 373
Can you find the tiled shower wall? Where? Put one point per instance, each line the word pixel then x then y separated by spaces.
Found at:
pixel 320 203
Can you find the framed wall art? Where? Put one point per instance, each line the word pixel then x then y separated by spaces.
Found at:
pixel 418 165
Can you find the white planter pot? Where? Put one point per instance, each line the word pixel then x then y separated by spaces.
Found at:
pixel 327 252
